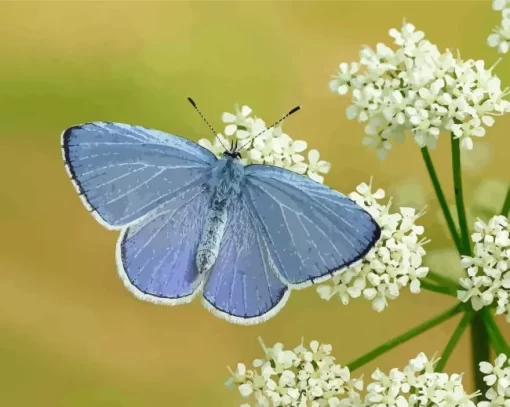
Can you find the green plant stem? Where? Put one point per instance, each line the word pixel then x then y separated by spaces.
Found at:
pixel 497 339
pixel 454 340
pixel 459 197
pixel 437 288
pixel 444 281
pixel 480 344
pixel 506 204
pixel 480 348
pixel 392 343
pixel 440 196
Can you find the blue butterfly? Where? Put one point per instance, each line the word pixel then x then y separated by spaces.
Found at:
pixel 191 223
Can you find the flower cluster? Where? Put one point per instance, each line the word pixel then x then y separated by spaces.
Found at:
pixel 497 377
pixel 310 378
pixel 500 38
pixel 415 88
pixel 299 377
pixel 488 271
pixel 266 146
pixel 393 263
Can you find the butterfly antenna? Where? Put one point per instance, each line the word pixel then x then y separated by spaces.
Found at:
pixel 206 122
pixel 270 127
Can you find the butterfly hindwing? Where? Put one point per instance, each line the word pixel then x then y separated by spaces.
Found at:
pixel 156 257
pixel 244 285
pixel 313 230
pixel 122 171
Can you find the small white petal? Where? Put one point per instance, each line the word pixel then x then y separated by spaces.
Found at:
pixel 228 118
pixel 230 129
pixel 313 157
pixel 245 111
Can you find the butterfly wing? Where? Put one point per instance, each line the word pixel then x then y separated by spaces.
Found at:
pixel 156 257
pixel 122 172
pixel 312 230
pixel 244 286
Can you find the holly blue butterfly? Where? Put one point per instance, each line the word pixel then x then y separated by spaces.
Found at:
pixel 192 223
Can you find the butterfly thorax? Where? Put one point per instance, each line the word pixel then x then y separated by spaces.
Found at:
pixel 227 177
pixel 226 181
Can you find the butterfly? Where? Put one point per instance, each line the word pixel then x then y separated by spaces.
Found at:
pixel 191 223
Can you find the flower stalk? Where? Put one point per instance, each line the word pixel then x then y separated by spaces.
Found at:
pixel 441 197
pixel 437 288
pixel 454 340
pixel 497 339
pixel 412 333
pixel 480 344
pixel 506 204
pixel 465 246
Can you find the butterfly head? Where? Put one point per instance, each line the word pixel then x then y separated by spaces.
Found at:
pixel 232 152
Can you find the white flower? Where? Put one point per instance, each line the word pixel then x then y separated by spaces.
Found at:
pixel 237 121
pixel 315 380
pixel 417 385
pixel 500 38
pixel 415 89
pixel 316 166
pixel 342 79
pixel 302 377
pixel 259 145
pixel 289 150
pixel 393 263
pixel 488 271
pixel 497 377
pixel 499 4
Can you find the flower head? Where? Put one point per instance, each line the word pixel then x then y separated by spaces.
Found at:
pixel 500 38
pixel 302 377
pixel 416 89
pixel 393 263
pixel 266 146
pixel 309 377
pixel 497 377
pixel 488 270
pixel 238 122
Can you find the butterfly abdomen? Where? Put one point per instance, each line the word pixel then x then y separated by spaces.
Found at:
pixel 212 234
pixel 226 180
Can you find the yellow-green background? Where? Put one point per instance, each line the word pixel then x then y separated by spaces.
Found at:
pixel 70 333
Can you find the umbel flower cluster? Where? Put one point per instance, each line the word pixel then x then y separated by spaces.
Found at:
pixel 500 38
pixel 266 146
pixel 497 377
pixel 488 271
pixel 393 263
pixel 414 88
pixel 310 377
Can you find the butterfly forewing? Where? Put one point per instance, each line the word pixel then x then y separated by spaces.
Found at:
pixel 313 231
pixel 123 172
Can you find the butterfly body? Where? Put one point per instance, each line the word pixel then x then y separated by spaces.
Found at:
pixel 192 223
pixel 227 177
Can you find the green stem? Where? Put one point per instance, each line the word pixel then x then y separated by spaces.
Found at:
pixel 480 344
pixel 437 288
pixel 444 281
pixel 385 347
pixel 450 346
pixel 480 348
pixel 497 338
pixel 440 196
pixel 506 204
pixel 459 197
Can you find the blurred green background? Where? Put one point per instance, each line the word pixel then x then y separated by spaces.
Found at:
pixel 70 333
